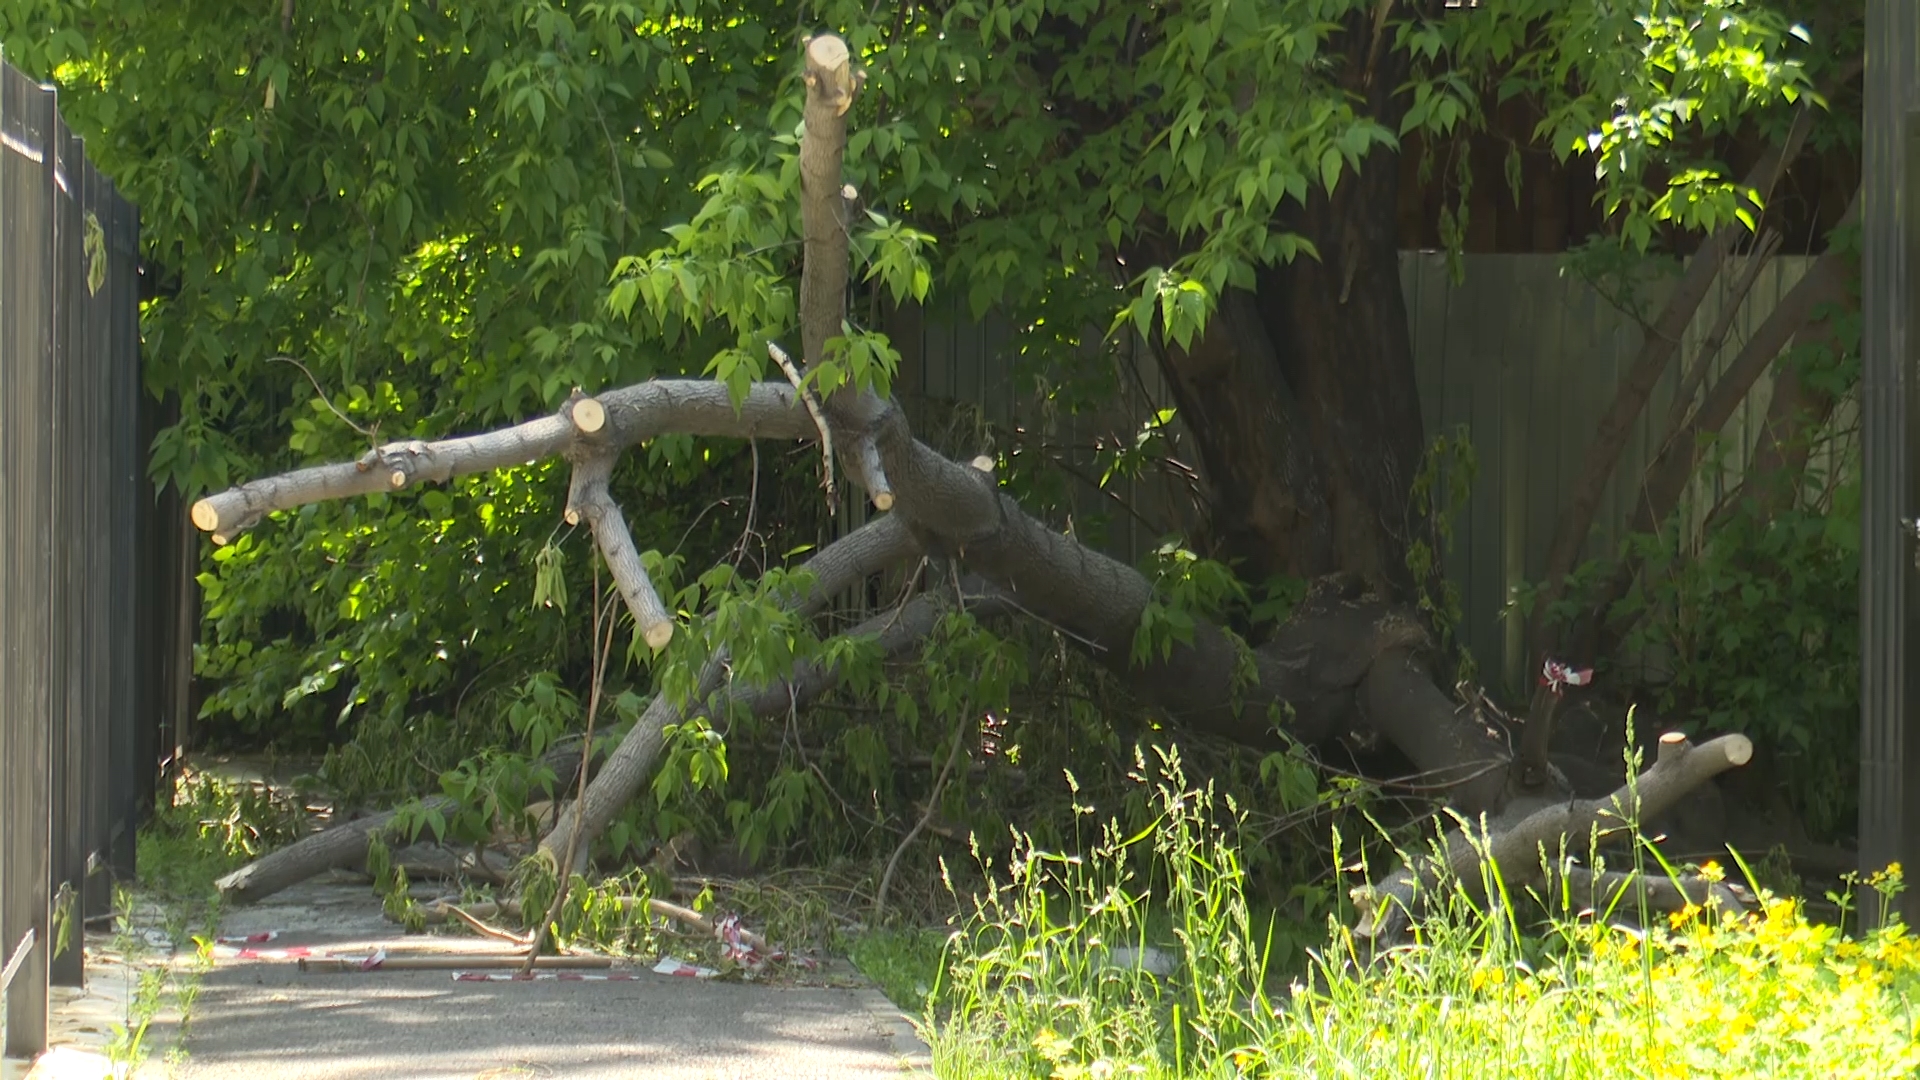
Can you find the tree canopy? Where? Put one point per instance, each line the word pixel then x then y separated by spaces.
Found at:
pixel 448 216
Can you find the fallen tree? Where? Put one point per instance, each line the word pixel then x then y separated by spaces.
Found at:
pixel 1348 660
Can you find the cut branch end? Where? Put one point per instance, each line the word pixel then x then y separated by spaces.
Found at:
pixel 588 415
pixel 205 517
pixel 1739 749
pixel 1673 742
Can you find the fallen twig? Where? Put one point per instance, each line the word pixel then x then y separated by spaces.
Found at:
pixel 933 805
pixel 448 962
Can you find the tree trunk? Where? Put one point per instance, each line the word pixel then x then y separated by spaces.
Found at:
pixel 1301 395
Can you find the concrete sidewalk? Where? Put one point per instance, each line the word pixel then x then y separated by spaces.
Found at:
pixel 258 1015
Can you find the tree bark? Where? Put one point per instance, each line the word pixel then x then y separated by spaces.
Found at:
pixel 1521 849
pixel 1268 514
pixel 1301 394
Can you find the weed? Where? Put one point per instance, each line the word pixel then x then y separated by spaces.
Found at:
pixel 206 826
pixel 1044 977
pixel 904 963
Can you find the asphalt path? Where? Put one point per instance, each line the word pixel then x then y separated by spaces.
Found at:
pixel 258 1015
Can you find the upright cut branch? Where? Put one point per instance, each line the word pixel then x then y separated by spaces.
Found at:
pixel 831 84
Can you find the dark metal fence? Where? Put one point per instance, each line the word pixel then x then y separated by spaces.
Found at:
pixel 87 646
pixel 1890 444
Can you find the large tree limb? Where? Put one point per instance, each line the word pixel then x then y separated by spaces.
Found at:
pixel 627 416
pixel 1521 853
pixel 343 845
pixel 841 564
pixel 895 631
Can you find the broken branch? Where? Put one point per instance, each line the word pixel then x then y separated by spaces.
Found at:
pixel 813 409
pixel 1520 854
pixel 590 501
pixel 631 414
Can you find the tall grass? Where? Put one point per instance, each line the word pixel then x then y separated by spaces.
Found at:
pixel 1138 958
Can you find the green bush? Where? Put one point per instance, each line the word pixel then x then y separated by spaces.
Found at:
pixel 1761 629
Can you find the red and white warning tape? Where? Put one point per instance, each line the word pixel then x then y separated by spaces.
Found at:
pixel 1557 676
pixel 669 966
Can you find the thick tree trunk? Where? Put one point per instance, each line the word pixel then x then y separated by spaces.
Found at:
pixel 1268 514
pixel 1301 395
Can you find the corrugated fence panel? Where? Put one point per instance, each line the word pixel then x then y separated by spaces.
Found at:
pixel 1523 355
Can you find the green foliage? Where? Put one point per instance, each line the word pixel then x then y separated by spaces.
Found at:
pixel 903 963
pixel 1044 976
pixel 207 825
pixel 1760 628
pixel 453 214
pixel 1186 587
pixel 1440 489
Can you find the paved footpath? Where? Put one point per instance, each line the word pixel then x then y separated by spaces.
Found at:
pixel 258 1015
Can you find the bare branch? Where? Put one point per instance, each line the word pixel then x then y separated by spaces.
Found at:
pixel 631 414
pixel 590 501
pixel 813 409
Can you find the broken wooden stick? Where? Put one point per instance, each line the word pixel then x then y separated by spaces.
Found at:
pixel 458 962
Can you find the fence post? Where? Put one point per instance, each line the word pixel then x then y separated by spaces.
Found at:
pixel 26 520
pixel 1890 439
